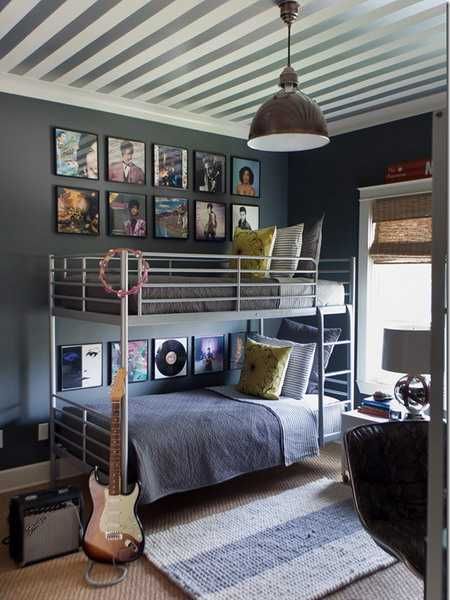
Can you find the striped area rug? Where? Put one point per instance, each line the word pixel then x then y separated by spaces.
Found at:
pixel 301 544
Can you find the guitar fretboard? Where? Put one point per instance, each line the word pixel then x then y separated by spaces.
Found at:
pixel 115 451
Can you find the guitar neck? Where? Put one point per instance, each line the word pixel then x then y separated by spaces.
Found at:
pixel 115 450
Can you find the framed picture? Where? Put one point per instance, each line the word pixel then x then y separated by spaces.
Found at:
pixel 170 218
pixel 77 211
pixel 76 153
pixel 210 221
pixel 170 358
pixel 245 177
pixel 170 167
pixel 237 342
pixel 127 214
pixel 209 354
pixel 210 172
pixel 126 161
pixel 137 360
pixel 81 366
pixel 244 216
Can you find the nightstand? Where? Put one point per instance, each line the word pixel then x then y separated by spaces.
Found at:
pixel 349 420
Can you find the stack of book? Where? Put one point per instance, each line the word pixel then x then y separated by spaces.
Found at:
pixel 376 408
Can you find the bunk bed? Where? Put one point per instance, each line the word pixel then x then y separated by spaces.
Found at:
pixel 180 289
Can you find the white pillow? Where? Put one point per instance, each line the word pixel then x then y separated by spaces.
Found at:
pixel 287 243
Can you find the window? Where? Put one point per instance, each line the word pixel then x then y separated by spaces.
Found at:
pixel 394 278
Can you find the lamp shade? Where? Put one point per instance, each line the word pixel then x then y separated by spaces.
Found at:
pixel 287 122
pixel 407 351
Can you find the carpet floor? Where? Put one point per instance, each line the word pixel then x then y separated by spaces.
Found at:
pixel 63 577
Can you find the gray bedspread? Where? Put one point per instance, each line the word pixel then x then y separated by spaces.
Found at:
pixel 188 440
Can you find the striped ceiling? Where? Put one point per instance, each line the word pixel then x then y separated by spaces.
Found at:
pixel 210 63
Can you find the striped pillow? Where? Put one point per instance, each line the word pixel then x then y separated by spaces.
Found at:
pixel 287 243
pixel 299 366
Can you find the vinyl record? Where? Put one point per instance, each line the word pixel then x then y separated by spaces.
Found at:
pixel 171 358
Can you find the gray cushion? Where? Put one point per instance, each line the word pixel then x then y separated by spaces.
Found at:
pixel 311 244
pixel 299 366
pixel 305 334
pixel 287 243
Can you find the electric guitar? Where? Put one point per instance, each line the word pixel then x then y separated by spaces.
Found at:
pixel 114 533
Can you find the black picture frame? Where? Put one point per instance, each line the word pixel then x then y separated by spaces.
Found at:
pixel 109 215
pixel 244 160
pixel 124 139
pixel 63 347
pixel 155 377
pixel 196 173
pixel 163 237
pixel 239 204
pixel 154 168
pixel 55 153
pixel 76 189
pixel 110 361
pixel 194 353
pixel 216 239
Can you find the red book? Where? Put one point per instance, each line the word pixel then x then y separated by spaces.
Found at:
pixel 374 412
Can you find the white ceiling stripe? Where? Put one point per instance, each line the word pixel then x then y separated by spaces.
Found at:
pixel 13 13
pixel 66 13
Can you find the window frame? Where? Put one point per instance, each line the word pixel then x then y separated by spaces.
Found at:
pixel 367 198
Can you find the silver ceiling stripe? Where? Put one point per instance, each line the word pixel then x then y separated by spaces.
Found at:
pixel 64 35
pixel 109 37
pixel 3 3
pixel 180 49
pixel 25 26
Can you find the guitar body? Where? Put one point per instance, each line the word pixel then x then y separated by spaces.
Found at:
pixel 114 532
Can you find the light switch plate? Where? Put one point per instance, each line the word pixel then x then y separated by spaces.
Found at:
pixel 42 432
pixel 1 438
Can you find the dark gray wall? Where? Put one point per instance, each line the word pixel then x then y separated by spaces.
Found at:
pixel 28 235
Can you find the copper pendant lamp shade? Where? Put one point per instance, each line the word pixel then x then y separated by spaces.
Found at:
pixel 290 120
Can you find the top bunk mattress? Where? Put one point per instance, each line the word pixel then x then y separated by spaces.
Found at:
pixel 170 295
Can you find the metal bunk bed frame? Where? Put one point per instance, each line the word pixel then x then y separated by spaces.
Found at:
pixel 339 384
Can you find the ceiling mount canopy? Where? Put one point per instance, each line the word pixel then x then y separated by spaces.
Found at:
pixel 290 120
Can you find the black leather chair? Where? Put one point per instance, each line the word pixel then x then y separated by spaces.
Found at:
pixel 388 471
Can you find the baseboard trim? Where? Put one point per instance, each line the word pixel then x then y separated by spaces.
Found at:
pixel 36 474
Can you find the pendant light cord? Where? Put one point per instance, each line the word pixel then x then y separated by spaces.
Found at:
pixel 289 44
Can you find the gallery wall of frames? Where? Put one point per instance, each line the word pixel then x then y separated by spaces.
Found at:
pixel 165 169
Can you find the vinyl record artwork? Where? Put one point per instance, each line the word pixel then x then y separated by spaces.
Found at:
pixel 209 354
pixel 137 360
pixel 170 167
pixel 210 172
pixel 76 153
pixel 237 344
pixel 126 161
pixel 170 218
pixel 210 221
pixel 127 214
pixel 81 366
pixel 77 211
pixel 245 177
pixel 244 216
pixel 170 358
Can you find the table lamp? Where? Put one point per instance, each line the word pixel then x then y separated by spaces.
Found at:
pixel 408 351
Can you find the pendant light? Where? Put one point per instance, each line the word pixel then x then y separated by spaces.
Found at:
pixel 290 120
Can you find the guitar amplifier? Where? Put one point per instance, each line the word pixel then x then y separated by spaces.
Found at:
pixel 44 524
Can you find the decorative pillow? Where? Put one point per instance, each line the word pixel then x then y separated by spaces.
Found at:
pixel 305 334
pixel 299 366
pixel 288 243
pixel 311 245
pixel 264 370
pixel 254 243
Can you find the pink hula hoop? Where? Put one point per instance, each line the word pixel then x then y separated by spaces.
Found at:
pixel 142 275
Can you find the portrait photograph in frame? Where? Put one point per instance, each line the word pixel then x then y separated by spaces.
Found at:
pixel 170 218
pixel 244 216
pixel 209 354
pixel 127 215
pixel 210 221
pixel 170 167
pixel 210 172
pixel 137 360
pixel 126 162
pixel 76 153
pixel 77 211
pixel 81 366
pixel 245 177
pixel 237 342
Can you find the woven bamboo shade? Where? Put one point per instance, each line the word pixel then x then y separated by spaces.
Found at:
pixel 402 230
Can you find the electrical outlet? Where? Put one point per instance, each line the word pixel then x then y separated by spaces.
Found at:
pixel 42 432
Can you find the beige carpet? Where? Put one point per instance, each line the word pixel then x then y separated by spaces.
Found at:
pixel 62 579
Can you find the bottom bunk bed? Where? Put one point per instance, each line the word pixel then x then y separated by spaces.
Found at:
pixel 182 441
